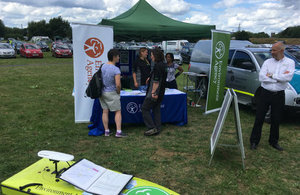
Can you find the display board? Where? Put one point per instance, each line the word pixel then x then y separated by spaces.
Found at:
pixel 220 121
pixel 127 57
pixel 229 97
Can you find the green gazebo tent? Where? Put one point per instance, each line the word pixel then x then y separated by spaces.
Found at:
pixel 142 22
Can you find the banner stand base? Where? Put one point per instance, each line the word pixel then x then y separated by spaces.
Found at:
pixel 219 125
pixel 229 146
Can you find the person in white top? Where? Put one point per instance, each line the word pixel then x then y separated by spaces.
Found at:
pixel 274 77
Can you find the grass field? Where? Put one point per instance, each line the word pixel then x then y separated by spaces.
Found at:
pixel 37 113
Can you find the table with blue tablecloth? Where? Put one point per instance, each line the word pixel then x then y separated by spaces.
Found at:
pixel 173 109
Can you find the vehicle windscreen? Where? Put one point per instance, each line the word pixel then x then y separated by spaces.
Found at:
pixel 30 47
pixel 201 52
pixel 62 47
pixel 262 56
pixel 171 43
pixel 5 46
pixel 43 43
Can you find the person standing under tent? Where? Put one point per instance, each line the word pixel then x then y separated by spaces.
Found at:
pixel 141 69
pixel 155 93
pixel 172 67
pixel 274 76
pixel 110 99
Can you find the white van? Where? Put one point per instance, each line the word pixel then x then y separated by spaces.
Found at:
pixel 175 45
pixel 36 39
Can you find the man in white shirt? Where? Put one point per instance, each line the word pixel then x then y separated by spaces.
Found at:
pixel 274 77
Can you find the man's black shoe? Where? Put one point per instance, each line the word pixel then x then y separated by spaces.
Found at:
pixel 277 147
pixel 253 146
pixel 153 131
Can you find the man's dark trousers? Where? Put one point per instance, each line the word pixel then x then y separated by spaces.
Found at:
pixel 268 98
pixel 147 106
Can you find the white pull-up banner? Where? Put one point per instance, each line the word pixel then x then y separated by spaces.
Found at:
pixel 91 44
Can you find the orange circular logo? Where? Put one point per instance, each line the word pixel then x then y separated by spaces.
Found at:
pixel 93 47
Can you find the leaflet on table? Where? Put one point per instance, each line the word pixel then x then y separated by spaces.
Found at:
pixel 95 179
pixel 141 93
pixel 172 91
pixel 133 92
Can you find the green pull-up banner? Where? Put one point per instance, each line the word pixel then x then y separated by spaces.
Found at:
pixel 218 68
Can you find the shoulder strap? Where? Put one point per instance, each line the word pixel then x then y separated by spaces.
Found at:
pixel 100 71
pixel 101 67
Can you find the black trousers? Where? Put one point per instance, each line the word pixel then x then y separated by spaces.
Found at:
pixel 147 106
pixel 268 98
pixel 171 84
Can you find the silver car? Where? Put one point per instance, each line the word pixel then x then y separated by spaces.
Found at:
pixel 243 68
pixel 6 51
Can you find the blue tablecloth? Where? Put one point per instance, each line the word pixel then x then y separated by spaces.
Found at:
pixel 173 109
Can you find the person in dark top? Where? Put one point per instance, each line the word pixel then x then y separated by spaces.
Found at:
pixel 141 69
pixel 155 93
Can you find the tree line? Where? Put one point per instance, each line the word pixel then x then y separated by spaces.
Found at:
pixel 290 32
pixel 60 27
pixel 55 27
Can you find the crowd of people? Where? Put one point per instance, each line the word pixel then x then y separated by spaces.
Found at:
pixel 274 77
pixel 152 80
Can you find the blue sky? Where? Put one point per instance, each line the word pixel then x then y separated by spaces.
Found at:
pixel 252 15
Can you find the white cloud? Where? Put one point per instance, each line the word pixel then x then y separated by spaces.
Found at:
pixel 267 17
pixel 253 15
pixel 198 18
pixel 227 3
pixel 171 6
pixel 15 14
pixel 295 4
pixel 87 4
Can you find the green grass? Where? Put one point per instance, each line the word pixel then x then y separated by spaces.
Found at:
pixel 37 113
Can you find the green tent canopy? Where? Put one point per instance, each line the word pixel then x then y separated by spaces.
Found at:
pixel 142 22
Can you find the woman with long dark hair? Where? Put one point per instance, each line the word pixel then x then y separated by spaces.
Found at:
pixel 172 67
pixel 155 93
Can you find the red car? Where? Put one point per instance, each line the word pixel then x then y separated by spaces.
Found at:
pixel 61 50
pixel 30 50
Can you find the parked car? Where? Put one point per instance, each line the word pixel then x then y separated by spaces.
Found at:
pixel 43 46
pixel 53 45
pixel 61 50
pixel 294 50
pixel 18 46
pixel 70 45
pixel 30 50
pixel 243 68
pixel 6 51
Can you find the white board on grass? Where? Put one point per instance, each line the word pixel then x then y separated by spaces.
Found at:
pixel 220 121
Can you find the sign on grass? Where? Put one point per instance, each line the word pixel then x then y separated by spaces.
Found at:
pixel 220 121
